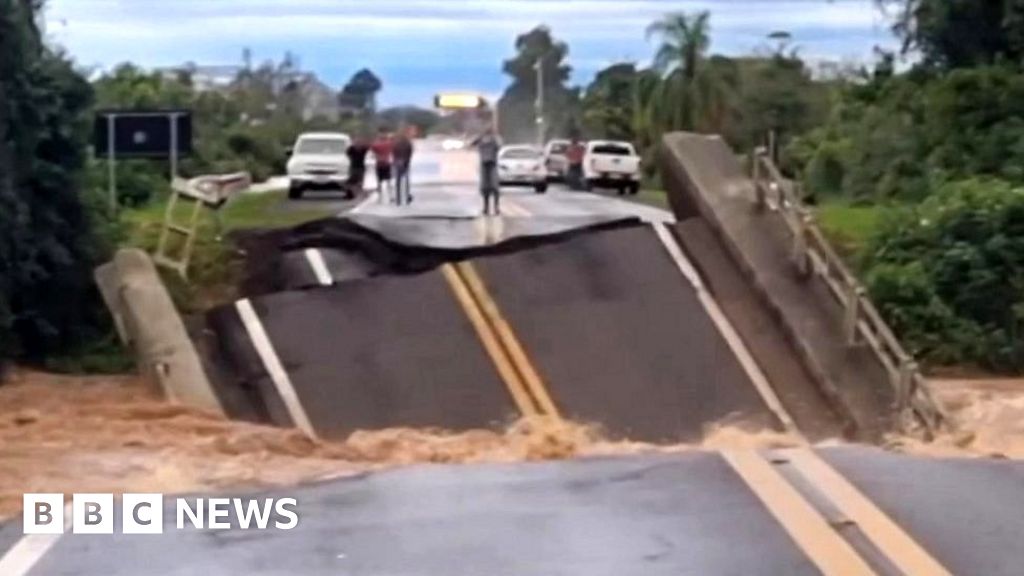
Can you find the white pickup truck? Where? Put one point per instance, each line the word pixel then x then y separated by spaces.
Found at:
pixel 610 164
pixel 318 161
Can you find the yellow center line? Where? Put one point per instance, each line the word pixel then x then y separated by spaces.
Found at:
pixel 901 549
pixel 517 354
pixel 812 533
pixel 490 340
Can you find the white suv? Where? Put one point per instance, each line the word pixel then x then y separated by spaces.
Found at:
pixel 611 164
pixel 319 161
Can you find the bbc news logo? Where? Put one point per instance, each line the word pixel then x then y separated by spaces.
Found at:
pixel 144 513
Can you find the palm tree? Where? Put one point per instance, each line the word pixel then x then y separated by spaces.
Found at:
pixel 685 40
pixel 694 94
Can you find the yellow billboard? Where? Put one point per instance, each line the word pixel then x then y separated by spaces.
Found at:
pixel 457 101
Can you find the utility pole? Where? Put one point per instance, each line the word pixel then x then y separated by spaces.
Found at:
pixel 539 66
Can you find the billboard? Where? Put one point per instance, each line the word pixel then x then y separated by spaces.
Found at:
pixel 459 101
pixel 142 133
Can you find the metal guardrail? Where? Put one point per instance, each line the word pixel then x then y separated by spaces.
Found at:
pixel 814 257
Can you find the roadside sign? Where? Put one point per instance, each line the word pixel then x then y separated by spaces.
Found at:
pixel 143 133
pixel 459 101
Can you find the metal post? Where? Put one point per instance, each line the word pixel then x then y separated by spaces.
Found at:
pixel 174 145
pixel 772 144
pixel 112 162
pixel 800 256
pixel 495 119
pixel 762 201
pixel 540 101
pixel 854 293
pixel 905 382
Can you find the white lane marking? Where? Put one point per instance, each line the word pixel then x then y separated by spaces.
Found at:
pixel 28 551
pixel 370 199
pixel 273 366
pixel 732 338
pixel 319 266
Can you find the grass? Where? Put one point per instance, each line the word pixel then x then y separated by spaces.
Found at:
pixel 216 267
pixel 651 197
pixel 849 227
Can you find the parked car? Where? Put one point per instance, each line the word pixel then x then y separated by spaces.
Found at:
pixel 319 161
pixel 555 160
pixel 522 165
pixel 611 164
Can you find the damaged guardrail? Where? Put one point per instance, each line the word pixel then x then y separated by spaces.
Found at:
pixel 815 258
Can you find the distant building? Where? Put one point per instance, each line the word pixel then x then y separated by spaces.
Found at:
pixel 318 99
pixel 206 77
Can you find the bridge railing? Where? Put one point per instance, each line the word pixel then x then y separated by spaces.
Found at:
pixel 815 258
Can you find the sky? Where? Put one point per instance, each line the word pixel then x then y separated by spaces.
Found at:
pixel 421 47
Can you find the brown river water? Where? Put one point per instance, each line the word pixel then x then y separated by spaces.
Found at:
pixel 113 434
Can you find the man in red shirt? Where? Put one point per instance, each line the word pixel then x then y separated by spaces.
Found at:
pixel 383 148
pixel 575 155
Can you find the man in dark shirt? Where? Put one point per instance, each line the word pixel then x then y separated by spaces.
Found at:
pixel 575 155
pixel 357 152
pixel 402 155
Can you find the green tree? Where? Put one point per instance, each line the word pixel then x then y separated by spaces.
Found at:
pixel 47 248
pixel 697 93
pixel 360 93
pixel 423 120
pixel 517 106
pixel 608 103
pixel 775 94
pixel 961 33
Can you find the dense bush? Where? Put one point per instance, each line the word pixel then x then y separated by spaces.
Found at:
pixel 949 274
pixel 902 137
pixel 47 247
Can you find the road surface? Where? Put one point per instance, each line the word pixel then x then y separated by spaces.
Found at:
pixel 574 306
pixel 694 513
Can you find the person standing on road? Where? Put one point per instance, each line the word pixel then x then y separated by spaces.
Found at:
pixel 383 148
pixel 357 152
pixel 488 145
pixel 574 155
pixel 403 151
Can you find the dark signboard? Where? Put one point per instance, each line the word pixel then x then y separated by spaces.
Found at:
pixel 143 133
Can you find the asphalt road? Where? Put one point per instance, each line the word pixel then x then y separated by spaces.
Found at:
pixel 692 513
pixel 613 326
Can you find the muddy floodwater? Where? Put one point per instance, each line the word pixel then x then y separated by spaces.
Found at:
pixel 114 434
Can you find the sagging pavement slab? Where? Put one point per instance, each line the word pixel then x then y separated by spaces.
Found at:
pixel 687 513
pixel 605 314
pixel 704 179
pixel 621 338
pixel 391 352
pixel 353 247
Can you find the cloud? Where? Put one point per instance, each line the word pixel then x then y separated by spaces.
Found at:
pixel 436 37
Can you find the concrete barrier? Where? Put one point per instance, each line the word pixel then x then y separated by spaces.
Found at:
pixel 148 322
pixel 704 178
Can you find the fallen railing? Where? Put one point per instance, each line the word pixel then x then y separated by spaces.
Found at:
pixel 815 258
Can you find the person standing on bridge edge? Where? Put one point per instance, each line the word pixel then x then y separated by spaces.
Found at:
pixel 574 155
pixel 488 145
pixel 403 160
pixel 382 149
